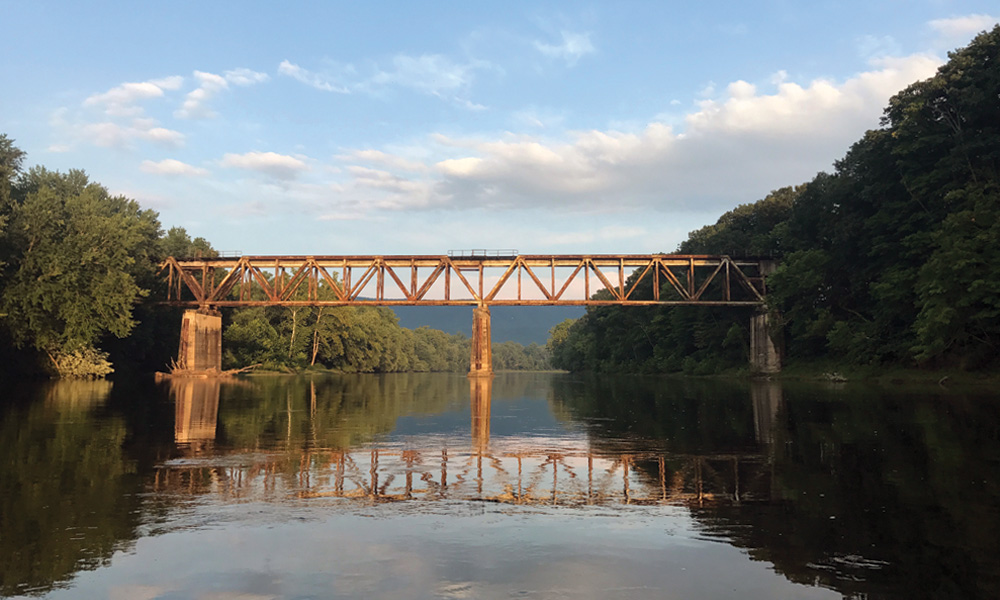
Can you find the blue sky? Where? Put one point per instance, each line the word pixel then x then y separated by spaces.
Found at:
pixel 420 127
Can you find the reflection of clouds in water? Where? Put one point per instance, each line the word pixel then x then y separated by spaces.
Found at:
pixel 135 592
pixel 494 554
pixel 394 553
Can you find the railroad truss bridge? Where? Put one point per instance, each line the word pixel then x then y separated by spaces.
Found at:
pixel 479 279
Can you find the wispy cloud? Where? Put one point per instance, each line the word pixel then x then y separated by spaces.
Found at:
pixel 381 158
pixel 572 48
pixel 172 167
pixel 538 118
pixel 278 166
pixel 244 77
pixel 123 100
pixel 195 104
pixel 957 29
pixel 874 47
pixel 429 74
pixel 113 135
pixel 315 80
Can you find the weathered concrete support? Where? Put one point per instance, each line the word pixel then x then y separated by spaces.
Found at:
pixel 765 355
pixel 480 399
pixel 201 341
pixel 482 352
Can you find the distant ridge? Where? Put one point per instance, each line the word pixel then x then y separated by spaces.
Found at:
pixel 522 324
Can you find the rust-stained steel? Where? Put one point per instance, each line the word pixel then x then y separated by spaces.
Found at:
pixel 667 279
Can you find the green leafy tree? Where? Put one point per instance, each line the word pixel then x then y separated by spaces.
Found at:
pixel 81 255
pixel 11 158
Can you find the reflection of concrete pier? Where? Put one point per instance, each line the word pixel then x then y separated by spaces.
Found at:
pixel 480 397
pixel 767 399
pixel 196 411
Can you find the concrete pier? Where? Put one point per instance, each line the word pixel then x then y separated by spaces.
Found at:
pixel 201 341
pixel 482 352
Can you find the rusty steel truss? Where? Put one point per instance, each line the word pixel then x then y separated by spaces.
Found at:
pixel 539 280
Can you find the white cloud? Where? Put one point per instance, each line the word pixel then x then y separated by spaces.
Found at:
pixel 963 28
pixel 729 150
pixel 538 118
pixel 124 120
pixel 279 166
pixel 822 106
pixel 431 74
pixel 122 100
pixel 309 78
pixel 245 77
pixel 161 135
pixel 195 104
pixel 573 47
pixel 171 166
pixel 382 158
pixel 112 135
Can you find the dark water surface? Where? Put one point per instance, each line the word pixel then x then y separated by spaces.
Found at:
pixel 526 486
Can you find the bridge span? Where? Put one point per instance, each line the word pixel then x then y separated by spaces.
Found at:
pixel 479 280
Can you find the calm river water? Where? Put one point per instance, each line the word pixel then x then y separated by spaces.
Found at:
pixel 524 486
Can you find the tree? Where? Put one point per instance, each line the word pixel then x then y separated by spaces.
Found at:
pixel 11 159
pixel 80 255
pixel 177 243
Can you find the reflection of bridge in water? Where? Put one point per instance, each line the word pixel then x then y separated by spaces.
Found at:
pixel 510 469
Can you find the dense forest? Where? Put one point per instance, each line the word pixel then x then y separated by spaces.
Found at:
pixel 79 285
pixel 891 259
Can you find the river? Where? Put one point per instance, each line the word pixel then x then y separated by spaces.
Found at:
pixel 526 485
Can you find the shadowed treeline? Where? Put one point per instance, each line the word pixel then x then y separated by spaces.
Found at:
pixel 875 493
pixel 69 491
